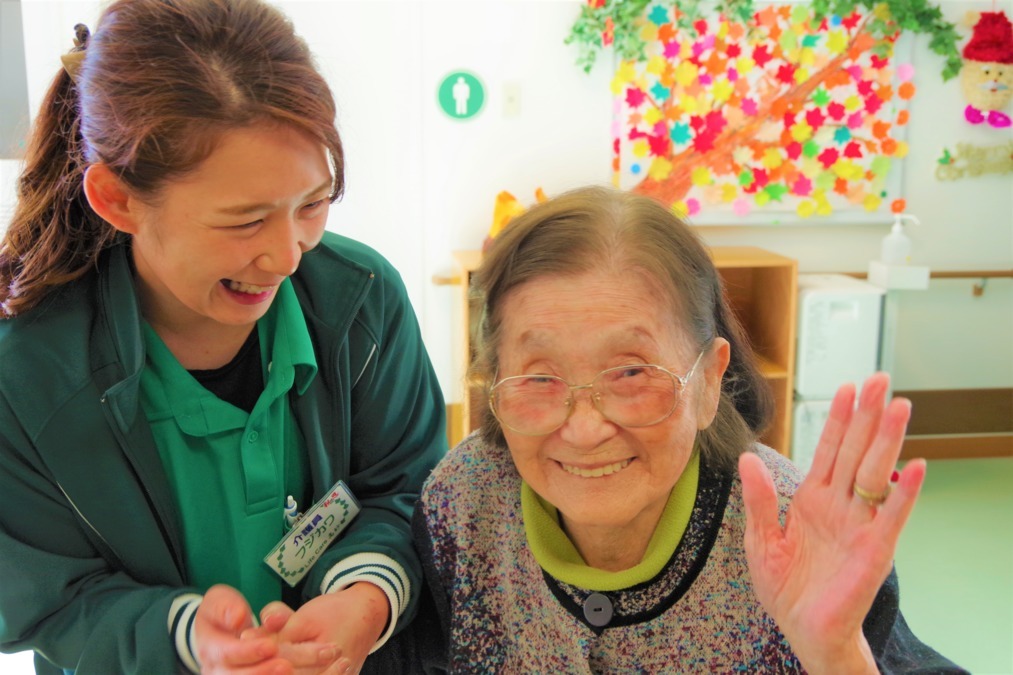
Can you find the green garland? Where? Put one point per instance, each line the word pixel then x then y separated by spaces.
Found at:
pixel 622 18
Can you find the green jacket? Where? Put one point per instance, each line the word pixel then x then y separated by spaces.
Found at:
pixel 90 546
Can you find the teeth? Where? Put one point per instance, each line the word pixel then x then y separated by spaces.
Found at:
pixel 247 288
pixel 597 472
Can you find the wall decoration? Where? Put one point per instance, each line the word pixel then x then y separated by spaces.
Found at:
pixel 784 118
pixel 460 95
pixel 767 114
pixel 974 160
pixel 616 23
pixel 987 76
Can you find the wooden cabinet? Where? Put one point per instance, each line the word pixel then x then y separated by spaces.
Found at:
pixel 762 289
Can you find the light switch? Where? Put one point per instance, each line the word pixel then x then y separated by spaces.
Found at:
pixel 512 100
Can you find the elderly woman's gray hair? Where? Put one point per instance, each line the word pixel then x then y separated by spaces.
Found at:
pixel 605 229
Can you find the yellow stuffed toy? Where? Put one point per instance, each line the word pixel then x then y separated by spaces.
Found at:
pixel 506 209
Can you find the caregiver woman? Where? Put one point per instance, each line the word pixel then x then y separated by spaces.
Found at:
pixel 616 514
pixel 187 357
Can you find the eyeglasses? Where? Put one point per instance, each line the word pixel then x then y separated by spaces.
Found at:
pixel 639 395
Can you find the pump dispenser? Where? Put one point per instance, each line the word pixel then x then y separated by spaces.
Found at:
pixel 894 271
pixel 896 247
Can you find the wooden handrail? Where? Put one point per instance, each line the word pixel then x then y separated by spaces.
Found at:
pixel 950 274
pixel 453 280
pixel 983 274
pixel 977 290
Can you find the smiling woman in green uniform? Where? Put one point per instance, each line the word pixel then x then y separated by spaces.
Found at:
pixel 185 352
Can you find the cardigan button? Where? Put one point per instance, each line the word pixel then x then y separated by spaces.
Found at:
pixel 598 610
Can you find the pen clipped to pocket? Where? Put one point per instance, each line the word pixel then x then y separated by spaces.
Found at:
pixel 311 533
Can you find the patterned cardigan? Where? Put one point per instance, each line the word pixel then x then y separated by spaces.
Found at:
pixel 493 609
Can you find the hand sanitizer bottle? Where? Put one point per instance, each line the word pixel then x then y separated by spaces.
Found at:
pixel 896 247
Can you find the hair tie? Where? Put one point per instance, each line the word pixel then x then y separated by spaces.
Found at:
pixel 72 59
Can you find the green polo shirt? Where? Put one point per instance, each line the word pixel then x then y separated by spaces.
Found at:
pixel 230 470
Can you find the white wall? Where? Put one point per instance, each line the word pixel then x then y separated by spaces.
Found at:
pixel 421 185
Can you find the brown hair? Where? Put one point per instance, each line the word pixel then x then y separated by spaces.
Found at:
pixel 599 228
pixel 160 81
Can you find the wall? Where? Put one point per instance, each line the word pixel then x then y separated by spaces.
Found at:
pixel 13 84
pixel 421 185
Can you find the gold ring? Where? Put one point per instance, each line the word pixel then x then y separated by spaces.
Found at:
pixel 871 498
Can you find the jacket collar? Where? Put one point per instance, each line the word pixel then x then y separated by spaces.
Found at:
pixel 317 271
pixel 121 314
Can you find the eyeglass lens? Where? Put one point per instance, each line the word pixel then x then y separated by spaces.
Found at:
pixel 629 396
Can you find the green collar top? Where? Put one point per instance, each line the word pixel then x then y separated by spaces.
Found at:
pixel 231 471
pixel 556 554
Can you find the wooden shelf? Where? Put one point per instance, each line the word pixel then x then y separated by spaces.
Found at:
pixel 762 288
pixel 468 261
pixel 769 369
pixel 745 257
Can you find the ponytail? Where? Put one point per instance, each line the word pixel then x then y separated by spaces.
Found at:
pixel 161 81
pixel 54 236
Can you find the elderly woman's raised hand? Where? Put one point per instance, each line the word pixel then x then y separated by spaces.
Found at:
pixel 818 575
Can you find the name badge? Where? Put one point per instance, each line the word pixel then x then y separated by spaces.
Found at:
pixel 296 553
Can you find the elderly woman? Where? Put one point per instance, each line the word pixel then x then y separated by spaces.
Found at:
pixel 616 514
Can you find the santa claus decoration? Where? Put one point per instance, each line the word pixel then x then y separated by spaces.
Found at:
pixel 987 75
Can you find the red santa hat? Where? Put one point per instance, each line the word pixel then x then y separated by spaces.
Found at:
pixel 992 39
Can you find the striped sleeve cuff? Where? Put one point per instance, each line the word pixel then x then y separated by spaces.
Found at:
pixel 379 570
pixel 181 616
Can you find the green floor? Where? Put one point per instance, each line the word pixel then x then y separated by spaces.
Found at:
pixel 955 562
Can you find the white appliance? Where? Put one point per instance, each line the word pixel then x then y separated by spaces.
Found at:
pixel 806 426
pixel 839 319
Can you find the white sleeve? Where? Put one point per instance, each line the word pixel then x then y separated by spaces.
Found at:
pixel 181 616
pixel 379 570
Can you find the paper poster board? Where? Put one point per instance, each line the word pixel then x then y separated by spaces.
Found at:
pixel 784 120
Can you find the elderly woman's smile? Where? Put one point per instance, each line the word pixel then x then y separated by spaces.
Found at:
pixel 597 471
pixel 609 482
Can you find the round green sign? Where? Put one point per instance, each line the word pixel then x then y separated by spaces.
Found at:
pixel 461 95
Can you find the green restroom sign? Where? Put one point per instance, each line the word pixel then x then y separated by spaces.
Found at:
pixel 461 95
